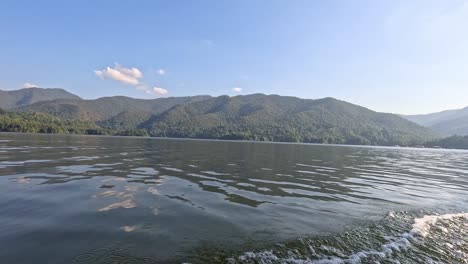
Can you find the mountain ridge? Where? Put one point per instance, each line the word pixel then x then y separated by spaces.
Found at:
pixel 17 98
pixel 103 108
pixel 254 117
pixel 246 117
pixel 448 122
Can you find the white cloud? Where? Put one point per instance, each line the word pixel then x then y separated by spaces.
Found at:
pixel 131 76
pixel 152 90
pixel 237 89
pixel 161 91
pixel 29 85
pixel 119 73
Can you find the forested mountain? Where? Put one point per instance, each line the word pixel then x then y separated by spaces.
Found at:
pixel 106 107
pixel 32 122
pixel 450 122
pixel 17 98
pixel 248 117
pixel 289 119
pixel 453 142
pixel 431 119
pixel 125 121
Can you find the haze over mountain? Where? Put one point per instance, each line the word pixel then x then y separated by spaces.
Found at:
pixel 247 117
pixel 450 122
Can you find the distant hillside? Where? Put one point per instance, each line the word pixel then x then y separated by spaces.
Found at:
pixel 106 107
pixel 450 122
pixel 290 119
pixel 453 142
pixel 18 98
pixel 44 123
pixel 248 117
pixel 125 121
pixel 455 126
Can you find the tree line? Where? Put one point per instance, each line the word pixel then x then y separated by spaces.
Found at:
pixel 293 130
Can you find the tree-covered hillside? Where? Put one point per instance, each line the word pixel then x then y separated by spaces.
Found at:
pixel 124 121
pixel 250 117
pixel 453 142
pixel 44 123
pixel 106 107
pixel 450 122
pixel 289 119
pixel 18 98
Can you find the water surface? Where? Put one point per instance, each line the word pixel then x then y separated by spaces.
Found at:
pixel 76 199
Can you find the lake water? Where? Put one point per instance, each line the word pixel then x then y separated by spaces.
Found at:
pixel 76 199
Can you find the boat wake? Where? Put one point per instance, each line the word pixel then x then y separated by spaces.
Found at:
pixel 429 239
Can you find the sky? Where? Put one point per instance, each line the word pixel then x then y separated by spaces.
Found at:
pixel 398 56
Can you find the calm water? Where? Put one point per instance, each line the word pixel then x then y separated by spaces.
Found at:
pixel 71 199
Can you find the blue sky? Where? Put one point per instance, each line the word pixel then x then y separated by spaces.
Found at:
pixel 389 55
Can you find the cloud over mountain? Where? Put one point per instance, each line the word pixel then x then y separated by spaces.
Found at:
pixel 119 73
pixel 131 76
pixel 29 85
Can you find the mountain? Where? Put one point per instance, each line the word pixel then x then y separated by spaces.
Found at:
pixel 450 122
pixel 247 117
pixel 104 108
pixel 124 121
pixel 281 118
pixel 453 142
pixel 18 98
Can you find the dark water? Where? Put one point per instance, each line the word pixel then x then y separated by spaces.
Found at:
pixel 70 199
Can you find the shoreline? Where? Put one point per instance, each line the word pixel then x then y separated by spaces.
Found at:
pixel 233 140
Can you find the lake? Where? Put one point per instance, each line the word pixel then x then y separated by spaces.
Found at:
pixel 81 199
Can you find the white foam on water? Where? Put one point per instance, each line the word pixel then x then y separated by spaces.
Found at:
pixel 423 225
pixel 420 229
